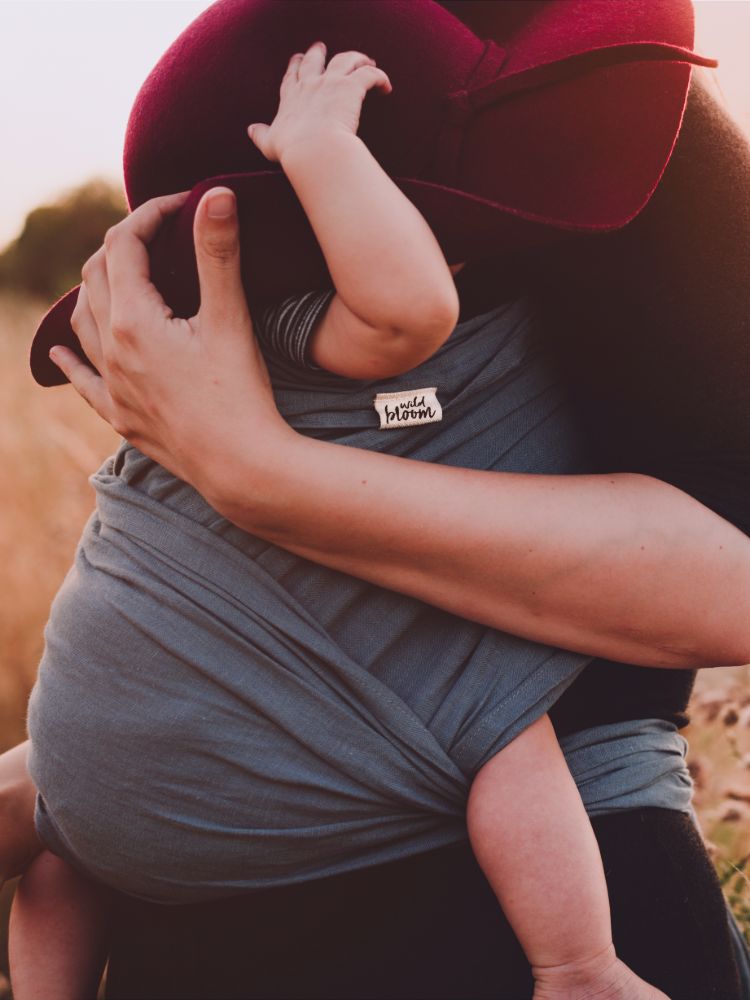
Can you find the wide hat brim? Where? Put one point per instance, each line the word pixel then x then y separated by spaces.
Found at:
pixel 589 131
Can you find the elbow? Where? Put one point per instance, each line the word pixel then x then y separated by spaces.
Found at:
pixel 403 333
pixel 685 638
pixel 402 345
pixel 443 313
pixel 725 642
pixel 708 651
pixel 734 652
pixel 431 315
pixel 710 596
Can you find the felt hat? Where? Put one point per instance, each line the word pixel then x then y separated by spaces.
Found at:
pixel 509 124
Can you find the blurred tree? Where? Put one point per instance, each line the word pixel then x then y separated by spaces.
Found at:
pixel 56 240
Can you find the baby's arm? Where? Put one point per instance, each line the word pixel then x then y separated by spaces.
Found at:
pixel 532 837
pixel 396 300
pixel 57 931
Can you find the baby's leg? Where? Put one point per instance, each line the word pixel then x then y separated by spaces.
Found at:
pixel 57 928
pixel 58 933
pixel 532 837
pixel 19 843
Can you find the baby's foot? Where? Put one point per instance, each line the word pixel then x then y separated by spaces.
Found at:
pixel 604 979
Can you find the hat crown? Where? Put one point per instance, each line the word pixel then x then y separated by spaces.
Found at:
pixel 224 71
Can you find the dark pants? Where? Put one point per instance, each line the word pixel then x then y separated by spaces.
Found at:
pixel 427 927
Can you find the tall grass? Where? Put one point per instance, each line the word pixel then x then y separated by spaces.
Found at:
pixel 719 737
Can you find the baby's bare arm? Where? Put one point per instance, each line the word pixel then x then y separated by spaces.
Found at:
pixel 531 835
pixel 396 300
pixel 19 843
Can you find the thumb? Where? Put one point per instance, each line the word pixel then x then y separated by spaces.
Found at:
pixel 259 134
pixel 216 235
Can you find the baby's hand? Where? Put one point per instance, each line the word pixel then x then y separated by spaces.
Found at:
pixel 316 98
pixel 607 980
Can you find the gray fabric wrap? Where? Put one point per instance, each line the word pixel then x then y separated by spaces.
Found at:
pixel 214 714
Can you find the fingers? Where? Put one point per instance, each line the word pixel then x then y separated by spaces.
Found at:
pixel 127 257
pixel 364 66
pixel 292 70
pixel 217 249
pixel 94 294
pixel 347 62
pixel 313 62
pixel 371 77
pixel 86 328
pixel 86 382
pixel 260 133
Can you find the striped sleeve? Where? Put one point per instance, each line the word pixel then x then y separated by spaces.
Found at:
pixel 286 327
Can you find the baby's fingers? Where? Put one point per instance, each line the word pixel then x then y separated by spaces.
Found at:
pixel 313 62
pixel 347 62
pixel 371 76
pixel 290 76
pixel 260 134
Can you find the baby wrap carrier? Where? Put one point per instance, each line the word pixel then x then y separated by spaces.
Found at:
pixel 215 714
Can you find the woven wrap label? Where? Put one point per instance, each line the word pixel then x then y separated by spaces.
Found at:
pixel 408 408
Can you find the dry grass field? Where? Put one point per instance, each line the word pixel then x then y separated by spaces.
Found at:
pixel 50 442
pixel 719 738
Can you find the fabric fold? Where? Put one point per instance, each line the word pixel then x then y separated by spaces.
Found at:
pixel 214 714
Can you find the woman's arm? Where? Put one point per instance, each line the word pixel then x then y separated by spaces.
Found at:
pixel 621 566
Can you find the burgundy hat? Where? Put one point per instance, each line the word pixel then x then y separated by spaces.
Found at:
pixel 509 124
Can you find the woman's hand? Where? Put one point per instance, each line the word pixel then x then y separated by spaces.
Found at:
pixel 315 99
pixel 175 388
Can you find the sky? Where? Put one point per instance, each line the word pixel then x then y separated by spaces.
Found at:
pixel 70 71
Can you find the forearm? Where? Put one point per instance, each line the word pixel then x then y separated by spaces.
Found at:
pixel 619 566
pixel 384 259
pixel 530 833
